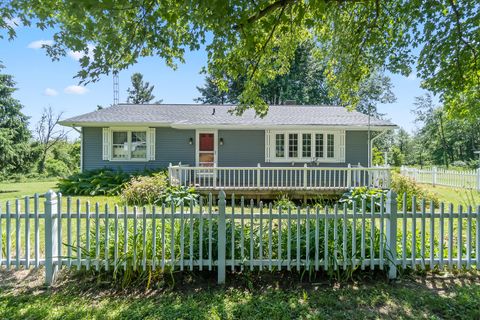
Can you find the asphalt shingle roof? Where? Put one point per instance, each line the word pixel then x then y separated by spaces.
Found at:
pixel 196 114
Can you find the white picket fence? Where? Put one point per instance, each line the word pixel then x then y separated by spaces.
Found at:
pixel 212 235
pixel 468 179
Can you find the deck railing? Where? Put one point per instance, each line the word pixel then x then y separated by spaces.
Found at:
pixel 279 178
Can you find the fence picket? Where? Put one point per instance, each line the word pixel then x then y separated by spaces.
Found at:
pixel 414 231
pixel 27 232
pixel 469 237
pixel 450 236
pixel 36 208
pixel 459 237
pixel 18 244
pixel 69 232
pixel 97 236
pixel 107 239
pixel 78 248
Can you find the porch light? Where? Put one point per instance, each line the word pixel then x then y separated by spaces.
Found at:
pixel 190 141
pixel 221 141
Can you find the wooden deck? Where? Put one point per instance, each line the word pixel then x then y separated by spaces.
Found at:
pixel 269 182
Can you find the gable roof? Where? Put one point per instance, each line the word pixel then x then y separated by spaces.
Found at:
pixel 200 115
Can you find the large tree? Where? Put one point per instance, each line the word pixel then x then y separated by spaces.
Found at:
pixel 258 39
pixel 15 154
pixel 140 92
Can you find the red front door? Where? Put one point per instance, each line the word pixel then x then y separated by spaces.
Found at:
pixel 206 149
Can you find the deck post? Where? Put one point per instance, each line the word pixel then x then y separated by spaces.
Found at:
pixel 222 238
pixel 258 175
pixel 478 179
pixel 305 176
pixel 51 241
pixel 349 176
pixel 391 213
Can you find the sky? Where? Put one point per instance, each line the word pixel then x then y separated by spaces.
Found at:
pixel 42 82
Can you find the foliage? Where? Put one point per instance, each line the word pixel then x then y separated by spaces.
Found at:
pixel 129 266
pixel 258 40
pixel 377 155
pixel 155 189
pixel 372 198
pixel 15 153
pixel 403 185
pixel 141 92
pixel 95 182
pixel 283 201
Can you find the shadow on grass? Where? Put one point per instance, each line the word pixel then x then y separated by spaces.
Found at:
pixel 251 295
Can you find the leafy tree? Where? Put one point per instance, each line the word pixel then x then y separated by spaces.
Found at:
pixel 141 92
pixel 15 152
pixel 304 83
pixel 257 40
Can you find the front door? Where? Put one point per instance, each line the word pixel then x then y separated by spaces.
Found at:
pixel 207 151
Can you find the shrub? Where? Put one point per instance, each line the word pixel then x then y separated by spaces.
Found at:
pixel 56 168
pixel 155 189
pixel 284 202
pixel 95 182
pixel 459 163
pixel 402 184
pixel 358 195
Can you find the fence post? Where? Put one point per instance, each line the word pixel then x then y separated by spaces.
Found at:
pixel 222 238
pixel 391 211
pixel 51 241
pixel 434 176
pixel 305 175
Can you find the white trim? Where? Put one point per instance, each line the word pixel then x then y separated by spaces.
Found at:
pixel 230 126
pixel 339 146
pixel 215 145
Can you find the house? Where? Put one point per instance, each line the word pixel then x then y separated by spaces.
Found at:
pixel 207 139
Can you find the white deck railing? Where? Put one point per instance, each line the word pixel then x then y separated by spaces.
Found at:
pixel 278 178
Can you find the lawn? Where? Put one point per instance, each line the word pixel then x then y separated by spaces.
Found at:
pixel 22 296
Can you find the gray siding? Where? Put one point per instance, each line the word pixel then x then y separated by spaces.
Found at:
pixel 244 148
pixel 171 146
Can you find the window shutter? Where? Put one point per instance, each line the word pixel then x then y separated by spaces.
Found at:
pixel 107 144
pixel 151 144
pixel 341 146
pixel 267 145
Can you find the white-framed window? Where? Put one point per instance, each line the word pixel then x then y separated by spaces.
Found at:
pixel 122 144
pixel 305 146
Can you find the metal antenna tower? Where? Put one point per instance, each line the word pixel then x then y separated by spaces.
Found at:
pixel 116 90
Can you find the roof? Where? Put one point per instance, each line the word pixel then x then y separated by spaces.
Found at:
pixel 200 115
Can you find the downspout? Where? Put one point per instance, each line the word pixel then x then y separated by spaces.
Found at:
pixel 370 155
pixel 80 131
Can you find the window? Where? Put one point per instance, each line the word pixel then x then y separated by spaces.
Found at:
pixel 280 145
pixel 319 145
pixel 293 145
pixel 330 145
pixel 128 145
pixel 306 145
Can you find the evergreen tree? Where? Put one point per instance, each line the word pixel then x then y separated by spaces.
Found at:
pixel 15 152
pixel 141 92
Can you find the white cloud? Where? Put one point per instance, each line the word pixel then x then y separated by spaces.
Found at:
pixel 73 89
pixel 50 92
pixel 77 55
pixel 39 44
pixel 13 23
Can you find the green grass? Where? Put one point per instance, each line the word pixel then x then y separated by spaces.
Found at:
pixel 247 297
pixel 456 196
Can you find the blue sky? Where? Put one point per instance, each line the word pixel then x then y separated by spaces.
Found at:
pixel 42 82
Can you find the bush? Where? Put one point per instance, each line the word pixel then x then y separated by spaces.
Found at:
pixel 402 184
pixel 95 182
pixel 155 189
pixel 56 168
pixel 358 195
